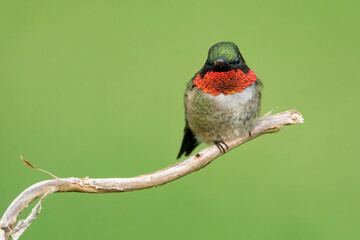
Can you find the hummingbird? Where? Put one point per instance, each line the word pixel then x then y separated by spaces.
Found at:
pixel 222 101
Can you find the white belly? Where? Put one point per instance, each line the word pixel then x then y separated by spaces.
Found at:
pixel 233 100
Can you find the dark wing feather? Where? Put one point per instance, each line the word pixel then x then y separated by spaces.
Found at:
pixel 189 142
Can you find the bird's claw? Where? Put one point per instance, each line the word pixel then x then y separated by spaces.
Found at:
pixel 220 146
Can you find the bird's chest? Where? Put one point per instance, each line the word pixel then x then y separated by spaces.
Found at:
pixel 235 101
pixel 205 108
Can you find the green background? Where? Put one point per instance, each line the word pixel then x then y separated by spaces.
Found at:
pixel 94 88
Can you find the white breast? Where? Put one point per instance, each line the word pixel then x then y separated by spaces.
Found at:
pixel 233 100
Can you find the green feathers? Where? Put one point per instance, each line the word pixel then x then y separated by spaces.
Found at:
pixel 227 51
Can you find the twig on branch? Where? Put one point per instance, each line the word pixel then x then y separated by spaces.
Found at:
pixel 267 124
pixel 36 168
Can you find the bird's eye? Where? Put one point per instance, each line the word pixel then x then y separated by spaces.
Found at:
pixel 237 60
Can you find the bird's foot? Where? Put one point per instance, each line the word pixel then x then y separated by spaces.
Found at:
pixel 220 146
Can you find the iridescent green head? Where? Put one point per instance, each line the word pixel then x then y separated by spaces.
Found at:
pixel 224 53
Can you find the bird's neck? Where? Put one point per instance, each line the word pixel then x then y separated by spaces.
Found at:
pixel 227 82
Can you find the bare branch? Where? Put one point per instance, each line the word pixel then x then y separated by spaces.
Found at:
pixel 24 224
pixel 267 124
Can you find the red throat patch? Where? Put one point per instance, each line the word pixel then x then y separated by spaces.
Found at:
pixel 225 82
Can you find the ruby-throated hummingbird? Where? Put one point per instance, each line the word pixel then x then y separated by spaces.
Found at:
pixel 222 100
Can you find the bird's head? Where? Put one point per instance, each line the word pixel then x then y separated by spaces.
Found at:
pixel 224 56
pixel 225 71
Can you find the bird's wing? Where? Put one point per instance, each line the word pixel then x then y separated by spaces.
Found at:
pixel 189 141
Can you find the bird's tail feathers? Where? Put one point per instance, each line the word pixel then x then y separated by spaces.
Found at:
pixel 189 143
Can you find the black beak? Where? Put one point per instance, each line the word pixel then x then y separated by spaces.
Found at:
pixel 219 62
